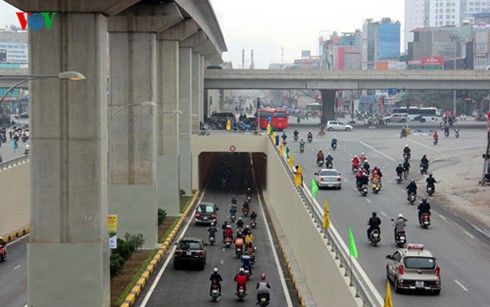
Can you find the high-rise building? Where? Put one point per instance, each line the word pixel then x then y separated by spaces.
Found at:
pixel 380 42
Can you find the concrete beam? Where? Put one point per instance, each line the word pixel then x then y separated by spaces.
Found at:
pixel 146 18
pixel 179 31
pixel 106 7
pixel 195 40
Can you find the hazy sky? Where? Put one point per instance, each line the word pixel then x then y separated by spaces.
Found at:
pixel 266 26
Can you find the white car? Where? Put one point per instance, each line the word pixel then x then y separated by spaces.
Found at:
pixel 335 125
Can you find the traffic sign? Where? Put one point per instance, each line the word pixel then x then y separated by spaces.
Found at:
pixel 232 148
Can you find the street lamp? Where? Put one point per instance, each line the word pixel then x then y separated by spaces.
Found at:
pixel 64 75
pixel 454 38
pixel 146 103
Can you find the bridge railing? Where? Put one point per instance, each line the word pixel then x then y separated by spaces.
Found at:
pixel 363 286
pixel 13 162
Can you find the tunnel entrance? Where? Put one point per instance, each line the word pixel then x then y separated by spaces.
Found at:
pixel 232 172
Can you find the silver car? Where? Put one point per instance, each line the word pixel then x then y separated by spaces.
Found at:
pixel 414 268
pixel 336 125
pixel 328 178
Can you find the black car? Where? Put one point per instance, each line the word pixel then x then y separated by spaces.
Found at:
pixel 206 213
pixel 190 251
pixel 218 120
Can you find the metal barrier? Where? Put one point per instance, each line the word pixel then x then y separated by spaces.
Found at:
pixel 14 162
pixel 363 286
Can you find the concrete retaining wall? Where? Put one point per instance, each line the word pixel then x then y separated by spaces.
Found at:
pixel 15 199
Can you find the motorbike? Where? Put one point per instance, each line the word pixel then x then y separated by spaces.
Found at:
pixel 374 237
pixel 400 238
pixel 319 162
pixel 246 270
pixel 301 148
pixel 321 132
pixel 249 198
pixel 253 223
pixel 376 187
pixel 241 293
pixel 436 141
pixel 406 156
pixel 399 178
pixel 212 240
pixel 456 133
pixel 329 164
pixel 245 211
pixel 227 241
pixel 363 190
pixel 295 137
pixel 430 190
pixel 263 299
pixel 424 220
pixel 411 198
pixel 310 138
pixel 354 169
pixel 423 168
pixel 239 251
pixel 446 132
pixel 215 293
pixel 3 253
pixel 334 146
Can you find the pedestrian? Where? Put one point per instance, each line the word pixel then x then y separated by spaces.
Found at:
pixel 1 159
pixel 14 145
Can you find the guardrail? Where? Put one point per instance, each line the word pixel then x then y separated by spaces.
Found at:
pixel 363 286
pixel 13 162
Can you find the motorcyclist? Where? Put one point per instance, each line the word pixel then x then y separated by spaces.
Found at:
pixel 362 158
pixel 406 168
pixel 334 141
pixel 249 193
pixel 241 280
pixel 284 136
pixel 239 223
pixel 399 170
pixel 247 262
pixel 375 178
pixel 228 232
pixel 411 188
pixel 319 156
pixel 424 207
pixel 263 287
pixel 233 200
pixel 377 170
pixel 363 180
pixel 446 130
pixel 366 165
pixel 239 242
pixel 403 132
pixel 301 145
pixel 424 162
pixel 435 136
pixel 295 132
pixel 212 230
pixel 358 178
pixel 249 237
pixel 430 182
pixel 399 223
pixel 309 136
pixel 373 223
pixel 245 206
pixel 250 250
pixel 407 152
pixel 247 231
pixel 233 210
pixel 215 279
pixel 329 160
pixel 355 162
pixel 253 215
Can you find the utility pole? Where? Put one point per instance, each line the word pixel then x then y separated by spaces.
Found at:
pixel 243 58
pixel 252 59
pixel 282 55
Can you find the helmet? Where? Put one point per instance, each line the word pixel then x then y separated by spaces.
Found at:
pixel 430 175
pixel 355 156
pixel 228 226
pixel 365 160
pixel 406 145
pixel 246 226
pixel 263 276
pixel 374 213
pixel 241 270
pixel 334 137
pixel 400 216
pixel 424 200
pixel 412 181
pixel 424 156
pixel 329 154
pixel 212 224
pixel 399 164
pixel 248 189
pixel 215 270
pixel 239 218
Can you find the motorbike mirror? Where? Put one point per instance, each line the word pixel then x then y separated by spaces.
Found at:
pixel 392 220
pixel 388 257
pixel 316 174
pixel 205 244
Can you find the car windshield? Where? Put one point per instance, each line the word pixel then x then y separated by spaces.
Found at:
pixel 189 245
pixel 419 263
pixel 205 209
pixel 328 173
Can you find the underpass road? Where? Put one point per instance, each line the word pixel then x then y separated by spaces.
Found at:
pixel 13 275
pixel 460 252
pixel 191 287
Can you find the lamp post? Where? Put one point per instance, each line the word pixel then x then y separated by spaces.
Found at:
pixel 64 75
pixel 454 38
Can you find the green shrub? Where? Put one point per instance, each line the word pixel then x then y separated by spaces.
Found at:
pixel 116 264
pixel 123 249
pixel 162 214
pixel 134 241
pixel 182 192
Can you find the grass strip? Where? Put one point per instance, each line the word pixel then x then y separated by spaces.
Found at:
pixel 167 233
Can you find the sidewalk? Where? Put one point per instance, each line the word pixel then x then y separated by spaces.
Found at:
pixel 459 191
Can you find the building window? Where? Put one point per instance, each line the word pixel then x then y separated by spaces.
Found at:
pixel 481 62
pixel 481 48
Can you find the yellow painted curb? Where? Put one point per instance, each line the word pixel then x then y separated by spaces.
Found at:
pixel 16 234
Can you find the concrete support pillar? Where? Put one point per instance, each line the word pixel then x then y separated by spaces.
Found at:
pixel 201 89
pixel 328 105
pixel 67 253
pixel 168 126
pixel 132 134
pixel 185 101
pixel 196 90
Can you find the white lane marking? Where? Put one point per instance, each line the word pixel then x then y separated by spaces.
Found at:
pixel 16 267
pixel 469 234
pixel 443 217
pixel 276 259
pixel 419 143
pixel 222 261
pixel 164 266
pixel 18 239
pixel 461 285
pixel 346 180
pixel 368 200
pixel 380 152
pixel 384 214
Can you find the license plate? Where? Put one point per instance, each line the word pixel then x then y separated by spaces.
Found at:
pixel 402 238
pixel 205 218
pixel 419 284
pixel 426 222
pixel 189 253
pixel 330 185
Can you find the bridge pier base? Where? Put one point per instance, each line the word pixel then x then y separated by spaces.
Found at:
pixel 328 105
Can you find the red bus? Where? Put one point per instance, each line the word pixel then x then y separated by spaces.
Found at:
pixel 278 118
